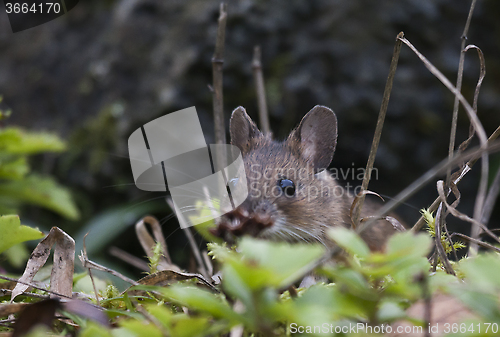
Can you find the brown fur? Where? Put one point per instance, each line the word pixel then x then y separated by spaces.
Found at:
pixel 319 201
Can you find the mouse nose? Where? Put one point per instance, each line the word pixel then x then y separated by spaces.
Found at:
pixel 241 222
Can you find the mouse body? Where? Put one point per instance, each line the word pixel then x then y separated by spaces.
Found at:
pixel 291 195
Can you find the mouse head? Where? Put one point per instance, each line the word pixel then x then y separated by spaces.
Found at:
pixel 314 139
pixel 289 198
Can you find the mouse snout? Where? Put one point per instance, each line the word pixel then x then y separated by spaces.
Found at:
pixel 249 218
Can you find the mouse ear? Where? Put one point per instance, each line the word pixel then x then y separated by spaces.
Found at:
pixel 317 134
pixel 243 129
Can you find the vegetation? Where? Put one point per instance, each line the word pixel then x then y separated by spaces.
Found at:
pixel 256 288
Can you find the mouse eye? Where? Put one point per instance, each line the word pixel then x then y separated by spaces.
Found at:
pixel 287 186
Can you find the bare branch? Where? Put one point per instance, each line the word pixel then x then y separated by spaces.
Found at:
pixel 461 216
pixel 453 131
pixel 260 90
pixel 192 243
pixel 426 178
pixel 378 128
pixel 491 198
pixel 478 242
pixel 481 194
pixel 217 63
pixel 439 245
pixel 483 184
pixel 420 223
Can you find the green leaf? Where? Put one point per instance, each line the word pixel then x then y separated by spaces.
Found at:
pixel 180 325
pixel 202 300
pixel 13 232
pixel 483 272
pixel 484 303
pixel 141 328
pixel 13 168
pixel 390 311
pixel 283 262
pixel 407 243
pixel 17 141
pixel 355 282
pixel 17 255
pixel 237 286
pixel 94 330
pixel 42 191
pixel 350 241
pixel 315 306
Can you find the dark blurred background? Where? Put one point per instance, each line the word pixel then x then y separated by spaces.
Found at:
pixel 107 67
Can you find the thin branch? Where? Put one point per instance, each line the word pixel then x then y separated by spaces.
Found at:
pixel 92 265
pixel 217 64
pixel 90 272
pixel 483 184
pixel 194 248
pixel 128 258
pixel 439 245
pixel 461 216
pixel 454 120
pixel 439 75
pixel 426 178
pixel 378 128
pixel 260 90
pixel 32 285
pixel 478 242
pixel 448 237
pixel 421 222
pixel 481 193
pixel 491 198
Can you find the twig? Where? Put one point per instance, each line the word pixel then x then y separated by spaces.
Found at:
pixel 218 101
pixel 461 216
pixel 424 283
pixel 128 258
pixel 439 75
pixel 439 245
pixel 378 128
pixel 90 272
pixel 426 178
pixel 481 194
pixel 471 154
pixel 148 243
pixel 192 243
pixel 454 120
pixel 260 90
pixel 91 264
pixel 474 121
pixel 32 285
pixel 479 242
pixel 421 222
pixel 491 198
pixel 450 241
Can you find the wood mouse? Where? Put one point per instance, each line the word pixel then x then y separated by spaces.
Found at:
pixel 291 195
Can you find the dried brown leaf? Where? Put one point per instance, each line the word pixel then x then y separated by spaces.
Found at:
pixel 148 243
pixel 167 277
pixel 61 276
pixel 461 216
